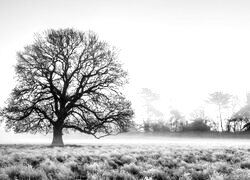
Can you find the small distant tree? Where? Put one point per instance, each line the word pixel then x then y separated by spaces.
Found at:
pixel 68 79
pixel 199 113
pixel 198 125
pixel 152 115
pixel 221 100
pixel 149 97
pixel 176 120
pixel 146 126
pixel 233 122
pixel 244 113
pixel 160 127
pixel 241 119
pixel 234 104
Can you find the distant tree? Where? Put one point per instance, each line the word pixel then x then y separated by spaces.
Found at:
pixel 68 79
pixel 160 127
pixel 241 119
pixel 156 127
pixel 152 114
pixel 234 104
pixel 246 111
pixel 176 120
pixel 199 113
pixel 146 126
pixel 198 124
pixel 232 123
pixel 221 100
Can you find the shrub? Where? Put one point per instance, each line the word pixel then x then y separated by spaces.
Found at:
pixel 167 162
pixel 112 164
pixel 207 157
pixel 79 171
pixel 132 169
pixel 199 175
pixel 221 156
pixel 224 168
pixel 127 159
pixel 56 170
pixel 190 158
pixel 34 161
pixel 4 162
pixel 61 159
pixel 197 125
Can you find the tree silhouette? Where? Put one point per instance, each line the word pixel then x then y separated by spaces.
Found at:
pixel 68 79
pixel 221 100
pixel 176 120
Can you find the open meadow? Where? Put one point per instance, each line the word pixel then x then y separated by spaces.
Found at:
pixel 183 159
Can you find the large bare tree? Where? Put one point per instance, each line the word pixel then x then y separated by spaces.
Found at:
pixel 68 79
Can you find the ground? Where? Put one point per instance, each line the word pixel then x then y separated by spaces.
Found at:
pixel 178 160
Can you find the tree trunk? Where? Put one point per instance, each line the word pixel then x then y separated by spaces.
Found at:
pixel 220 119
pixel 57 136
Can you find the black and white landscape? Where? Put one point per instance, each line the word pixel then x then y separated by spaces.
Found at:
pixel 144 89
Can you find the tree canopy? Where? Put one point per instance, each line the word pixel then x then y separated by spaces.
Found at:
pixel 221 100
pixel 68 79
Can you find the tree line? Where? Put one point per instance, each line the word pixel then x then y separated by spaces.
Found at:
pixel 237 120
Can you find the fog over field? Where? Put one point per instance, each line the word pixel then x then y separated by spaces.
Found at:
pixel 127 139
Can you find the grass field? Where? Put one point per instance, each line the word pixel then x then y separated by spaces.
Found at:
pixel 126 161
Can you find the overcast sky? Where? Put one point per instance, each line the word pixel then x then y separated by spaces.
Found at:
pixel 180 49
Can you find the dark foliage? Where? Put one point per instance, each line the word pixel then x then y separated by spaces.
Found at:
pixel 197 125
pixel 156 127
pixel 68 79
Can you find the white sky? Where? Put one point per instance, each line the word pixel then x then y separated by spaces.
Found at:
pixel 181 49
